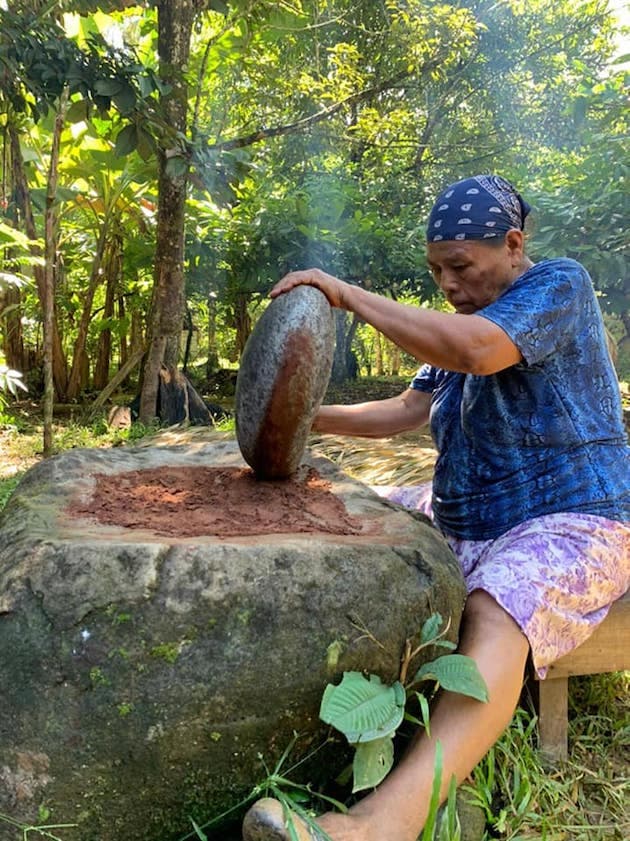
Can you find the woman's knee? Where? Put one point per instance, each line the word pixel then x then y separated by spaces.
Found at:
pixel 488 627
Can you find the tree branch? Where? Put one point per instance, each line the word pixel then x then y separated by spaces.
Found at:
pixel 306 122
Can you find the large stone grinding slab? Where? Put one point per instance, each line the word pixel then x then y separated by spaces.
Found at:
pixel 282 380
pixel 145 677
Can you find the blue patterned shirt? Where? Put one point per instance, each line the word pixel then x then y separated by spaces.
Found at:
pixel 544 436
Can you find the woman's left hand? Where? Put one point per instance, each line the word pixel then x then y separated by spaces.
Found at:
pixel 334 289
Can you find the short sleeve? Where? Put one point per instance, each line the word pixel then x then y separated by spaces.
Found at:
pixel 540 308
pixel 425 379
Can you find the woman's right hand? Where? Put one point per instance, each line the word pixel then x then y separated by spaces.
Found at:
pixel 335 290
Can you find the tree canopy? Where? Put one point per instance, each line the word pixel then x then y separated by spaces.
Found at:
pixel 204 148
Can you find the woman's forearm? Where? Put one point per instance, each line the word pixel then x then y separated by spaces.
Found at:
pixel 377 418
pixel 466 343
pixel 454 341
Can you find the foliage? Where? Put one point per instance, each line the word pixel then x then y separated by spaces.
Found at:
pixel 361 111
pixel 369 713
pixel 586 797
pixel 10 380
pixel 7 486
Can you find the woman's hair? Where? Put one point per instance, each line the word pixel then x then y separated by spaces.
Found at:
pixel 484 207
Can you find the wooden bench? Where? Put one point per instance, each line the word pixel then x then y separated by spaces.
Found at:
pixel 607 650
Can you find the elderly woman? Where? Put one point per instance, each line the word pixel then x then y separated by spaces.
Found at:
pixel 532 481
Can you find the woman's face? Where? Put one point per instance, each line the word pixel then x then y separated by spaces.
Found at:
pixel 471 273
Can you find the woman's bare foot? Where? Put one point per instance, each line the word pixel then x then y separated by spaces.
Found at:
pixel 266 821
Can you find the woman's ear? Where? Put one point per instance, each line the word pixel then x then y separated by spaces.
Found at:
pixel 515 242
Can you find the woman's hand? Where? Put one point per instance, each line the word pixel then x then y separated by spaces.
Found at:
pixel 334 289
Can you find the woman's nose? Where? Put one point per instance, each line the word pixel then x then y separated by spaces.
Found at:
pixel 448 281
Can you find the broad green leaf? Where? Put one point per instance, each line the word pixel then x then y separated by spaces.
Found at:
pixel 108 87
pixel 372 762
pixel 13 237
pixel 457 673
pixel 363 709
pixel 219 6
pixel 146 144
pixel 78 111
pixel 126 141
pixel 125 99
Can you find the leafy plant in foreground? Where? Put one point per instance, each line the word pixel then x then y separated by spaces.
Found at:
pixel 369 712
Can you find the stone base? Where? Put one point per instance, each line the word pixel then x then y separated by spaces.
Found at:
pixel 147 677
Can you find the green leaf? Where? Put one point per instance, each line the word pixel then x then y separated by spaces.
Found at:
pixel 424 711
pixel 457 673
pixel 146 144
pixel 177 166
pixel 450 829
pixel 78 111
pixel 198 831
pixel 126 141
pixel 431 628
pixel 219 6
pixel 363 709
pixel 428 833
pixel 372 762
pixel 107 87
pixel 125 99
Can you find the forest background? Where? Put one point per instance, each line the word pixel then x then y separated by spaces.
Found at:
pixel 164 164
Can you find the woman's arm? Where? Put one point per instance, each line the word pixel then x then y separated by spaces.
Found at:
pixel 470 344
pixel 378 418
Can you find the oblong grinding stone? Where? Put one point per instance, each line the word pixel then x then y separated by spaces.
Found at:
pixel 282 379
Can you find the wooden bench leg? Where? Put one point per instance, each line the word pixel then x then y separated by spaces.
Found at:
pixel 553 710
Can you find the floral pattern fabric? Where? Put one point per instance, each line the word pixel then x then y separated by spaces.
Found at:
pixel 555 575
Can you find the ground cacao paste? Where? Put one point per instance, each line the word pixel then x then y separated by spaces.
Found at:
pixel 216 501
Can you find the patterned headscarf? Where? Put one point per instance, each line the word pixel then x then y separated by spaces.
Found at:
pixel 481 207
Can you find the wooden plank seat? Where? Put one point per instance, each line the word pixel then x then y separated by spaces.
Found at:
pixel 607 650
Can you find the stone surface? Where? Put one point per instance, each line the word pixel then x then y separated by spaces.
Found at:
pixel 145 676
pixel 472 818
pixel 282 379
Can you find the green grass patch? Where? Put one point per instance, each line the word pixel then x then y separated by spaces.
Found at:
pixel 7 486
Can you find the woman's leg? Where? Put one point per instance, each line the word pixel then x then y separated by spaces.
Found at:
pixel 466 728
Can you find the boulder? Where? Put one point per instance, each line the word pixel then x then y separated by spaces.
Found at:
pixel 147 675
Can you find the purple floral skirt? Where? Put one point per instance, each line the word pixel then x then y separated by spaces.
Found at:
pixel 555 575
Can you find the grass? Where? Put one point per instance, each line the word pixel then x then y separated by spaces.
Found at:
pixel 584 799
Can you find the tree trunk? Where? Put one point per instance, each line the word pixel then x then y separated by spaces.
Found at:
pixel 212 361
pixel 378 352
pixel 123 352
pixel 23 202
pixel 395 356
pixel 189 336
pixel 112 274
pixel 50 260
pixel 344 361
pixel 242 323
pixel 11 315
pixel 117 379
pixel 79 353
pixel 175 22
